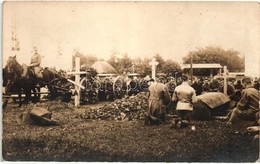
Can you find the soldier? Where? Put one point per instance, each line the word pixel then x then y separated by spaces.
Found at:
pixel 238 88
pixel 185 97
pixel 197 86
pixel 214 85
pixel 256 85
pixel 205 86
pixel 35 64
pixel 171 85
pixel 159 97
pixel 244 115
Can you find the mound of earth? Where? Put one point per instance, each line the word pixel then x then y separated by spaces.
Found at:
pixel 128 108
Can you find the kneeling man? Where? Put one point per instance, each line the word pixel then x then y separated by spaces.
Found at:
pixel 244 115
pixel 159 97
pixel 185 97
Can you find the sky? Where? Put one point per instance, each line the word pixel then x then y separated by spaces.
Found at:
pixel 140 29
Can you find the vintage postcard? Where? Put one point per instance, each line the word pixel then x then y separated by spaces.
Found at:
pixel 132 81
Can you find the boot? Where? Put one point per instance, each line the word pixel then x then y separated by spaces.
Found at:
pixel 147 120
pixel 179 124
pixel 175 122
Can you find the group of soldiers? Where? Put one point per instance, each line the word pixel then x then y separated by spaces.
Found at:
pixel 159 96
pixel 182 92
pixel 245 114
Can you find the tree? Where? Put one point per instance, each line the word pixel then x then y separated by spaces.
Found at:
pixel 122 65
pixel 125 64
pixel 137 65
pixel 170 67
pixel 229 58
pixel 85 60
pixel 160 60
pixel 113 61
pixel 146 68
pixel 142 66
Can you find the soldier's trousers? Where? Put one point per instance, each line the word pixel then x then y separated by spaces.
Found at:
pixel 184 115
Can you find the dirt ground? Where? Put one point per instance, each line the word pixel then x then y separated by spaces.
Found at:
pixel 79 139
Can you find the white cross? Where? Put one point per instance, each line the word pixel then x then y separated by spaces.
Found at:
pixel 77 84
pixel 153 63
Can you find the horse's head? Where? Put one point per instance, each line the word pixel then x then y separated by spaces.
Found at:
pixel 12 70
pixel 12 65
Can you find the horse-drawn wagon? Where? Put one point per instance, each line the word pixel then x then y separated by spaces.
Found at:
pixel 20 81
pixel 94 87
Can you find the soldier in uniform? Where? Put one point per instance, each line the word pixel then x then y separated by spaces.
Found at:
pixel 35 64
pixel 159 97
pixel 171 85
pixel 244 115
pixel 205 86
pixel 238 89
pixel 185 97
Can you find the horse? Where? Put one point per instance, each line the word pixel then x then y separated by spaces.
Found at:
pixel 18 78
pixel 50 79
pixel 15 81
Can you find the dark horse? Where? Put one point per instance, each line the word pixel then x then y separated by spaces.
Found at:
pixel 14 82
pixel 18 78
pixel 50 79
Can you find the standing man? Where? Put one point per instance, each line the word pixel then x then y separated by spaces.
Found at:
pixel 159 97
pixel 205 86
pixel 185 97
pixel 35 64
pixel 244 115
pixel 171 85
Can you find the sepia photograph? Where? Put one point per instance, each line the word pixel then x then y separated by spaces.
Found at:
pixel 130 81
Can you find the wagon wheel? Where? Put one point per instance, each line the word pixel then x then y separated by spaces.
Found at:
pixel 53 90
pixel 120 88
pixel 144 86
pixel 63 87
pixel 90 93
pixel 133 87
pixel 109 93
pixel 96 85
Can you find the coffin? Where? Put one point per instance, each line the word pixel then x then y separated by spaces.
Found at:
pixel 210 104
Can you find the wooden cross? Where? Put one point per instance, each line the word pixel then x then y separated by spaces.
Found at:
pixel 225 80
pixel 153 63
pixel 77 84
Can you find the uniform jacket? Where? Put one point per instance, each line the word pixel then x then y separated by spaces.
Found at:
pixel 36 60
pixel 185 95
pixel 158 97
pixel 206 87
pixel 249 102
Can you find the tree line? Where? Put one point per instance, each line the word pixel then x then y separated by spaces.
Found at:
pixel 125 64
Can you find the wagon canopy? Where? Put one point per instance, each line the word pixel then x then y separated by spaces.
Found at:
pixel 214 99
pixel 103 67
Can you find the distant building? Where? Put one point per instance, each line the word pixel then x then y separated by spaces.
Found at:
pixel 202 69
pixel 103 67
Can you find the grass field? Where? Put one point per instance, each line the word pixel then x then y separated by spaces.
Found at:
pixel 78 139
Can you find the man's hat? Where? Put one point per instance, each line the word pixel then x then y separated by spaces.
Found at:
pixel 184 78
pixel 247 80
pixel 40 116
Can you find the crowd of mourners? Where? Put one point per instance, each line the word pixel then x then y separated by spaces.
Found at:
pixel 244 117
pixel 200 85
pixel 182 92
